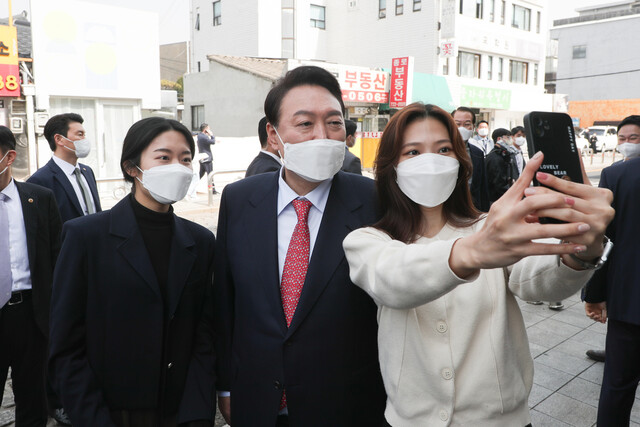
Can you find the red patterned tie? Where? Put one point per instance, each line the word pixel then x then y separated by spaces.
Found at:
pixel 295 266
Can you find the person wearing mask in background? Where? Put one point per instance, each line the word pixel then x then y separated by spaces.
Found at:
pixel 205 141
pixel 613 293
pixel 465 118
pixel 502 170
pixel 74 187
pixel 519 140
pixel 351 161
pixel 452 341
pixel 482 139
pixel 29 243
pixel 267 159
pixel 73 184
pixel 296 340
pixel 131 343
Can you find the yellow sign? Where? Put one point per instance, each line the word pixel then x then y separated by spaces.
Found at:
pixel 8 45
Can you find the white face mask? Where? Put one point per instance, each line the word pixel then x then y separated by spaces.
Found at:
pixel 2 160
pixel 428 179
pixel 167 183
pixel 520 141
pixel 465 133
pixel 629 150
pixel 483 132
pixel 315 160
pixel 83 147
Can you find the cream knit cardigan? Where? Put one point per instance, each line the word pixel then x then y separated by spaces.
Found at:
pixel 453 352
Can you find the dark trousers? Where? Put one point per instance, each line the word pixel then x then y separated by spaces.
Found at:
pixel 205 169
pixel 23 347
pixel 621 374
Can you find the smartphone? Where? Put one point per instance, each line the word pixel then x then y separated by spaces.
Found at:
pixel 553 134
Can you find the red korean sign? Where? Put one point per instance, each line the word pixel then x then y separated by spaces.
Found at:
pixel 9 69
pixel 400 92
pixel 364 86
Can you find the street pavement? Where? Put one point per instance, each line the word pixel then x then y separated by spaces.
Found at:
pixel 566 383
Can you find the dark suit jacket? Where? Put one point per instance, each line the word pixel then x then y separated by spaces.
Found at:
pixel 262 163
pixel 351 163
pixel 327 359
pixel 111 346
pixel 52 177
pixel 502 171
pixel 42 224
pixel 204 145
pixel 618 281
pixel 478 187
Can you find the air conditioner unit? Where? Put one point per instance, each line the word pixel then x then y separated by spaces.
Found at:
pixel 18 106
pixel 16 124
pixel 41 120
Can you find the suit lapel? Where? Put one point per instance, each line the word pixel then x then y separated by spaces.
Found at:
pixel 92 185
pixel 29 204
pixel 181 262
pixel 261 228
pixel 337 221
pixel 123 224
pixel 63 180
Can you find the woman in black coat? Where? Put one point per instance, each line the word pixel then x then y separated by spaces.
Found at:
pixel 131 338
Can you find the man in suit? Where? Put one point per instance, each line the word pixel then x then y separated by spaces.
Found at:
pixel 205 140
pixel 465 118
pixel 351 161
pixel 296 339
pixel 267 159
pixel 519 139
pixel 500 163
pixel 72 183
pixel 29 244
pixel 614 291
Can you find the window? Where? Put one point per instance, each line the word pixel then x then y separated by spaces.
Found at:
pixel 468 65
pixel 445 67
pixel 500 68
pixel 538 23
pixel 399 7
pixel 479 9
pixel 503 11
pixel 518 71
pixel 217 13
pixel 580 52
pixel 417 5
pixel 492 10
pixel 535 74
pixel 382 9
pixel 197 116
pixel 317 16
pixel 197 19
pixel 490 68
pixel 521 18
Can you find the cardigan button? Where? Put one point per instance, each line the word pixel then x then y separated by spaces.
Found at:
pixel 447 373
pixel 444 416
pixel 442 327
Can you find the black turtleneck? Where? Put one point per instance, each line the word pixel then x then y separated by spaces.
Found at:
pixel 157 231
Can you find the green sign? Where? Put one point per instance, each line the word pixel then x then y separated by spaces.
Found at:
pixel 484 97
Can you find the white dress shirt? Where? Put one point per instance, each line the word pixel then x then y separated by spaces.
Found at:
pixel 68 170
pixel 20 270
pixel 287 217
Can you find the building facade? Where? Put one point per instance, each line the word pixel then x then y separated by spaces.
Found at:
pixel 597 62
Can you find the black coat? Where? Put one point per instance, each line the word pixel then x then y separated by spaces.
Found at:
pixel 478 186
pixel 502 171
pixel 53 178
pixel 42 225
pixel 327 360
pixel 111 346
pixel 262 163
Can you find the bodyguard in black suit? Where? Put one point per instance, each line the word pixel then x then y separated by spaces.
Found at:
pixel 614 291
pixel 351 162
pixel 267 159
pixel 32 228
pixel 77 195
pixel 305 356
pixel 131 339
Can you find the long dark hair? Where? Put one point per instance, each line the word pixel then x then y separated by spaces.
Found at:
pixel 401 217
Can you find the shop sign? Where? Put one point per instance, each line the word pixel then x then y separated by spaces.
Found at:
pixel 9 69
pixel 485 97
pixel 364 86
pixel 368 135
pixel 448 49
pixel 401 81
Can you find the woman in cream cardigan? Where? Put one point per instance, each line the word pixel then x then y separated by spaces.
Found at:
pixel 452 341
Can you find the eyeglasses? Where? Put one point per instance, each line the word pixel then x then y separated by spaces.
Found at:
pixel 633 138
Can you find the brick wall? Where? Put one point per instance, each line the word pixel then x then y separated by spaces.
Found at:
pixel 613 109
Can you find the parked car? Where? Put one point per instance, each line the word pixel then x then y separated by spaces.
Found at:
pixel 599 138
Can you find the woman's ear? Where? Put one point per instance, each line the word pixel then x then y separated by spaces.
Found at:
pixel 131 169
